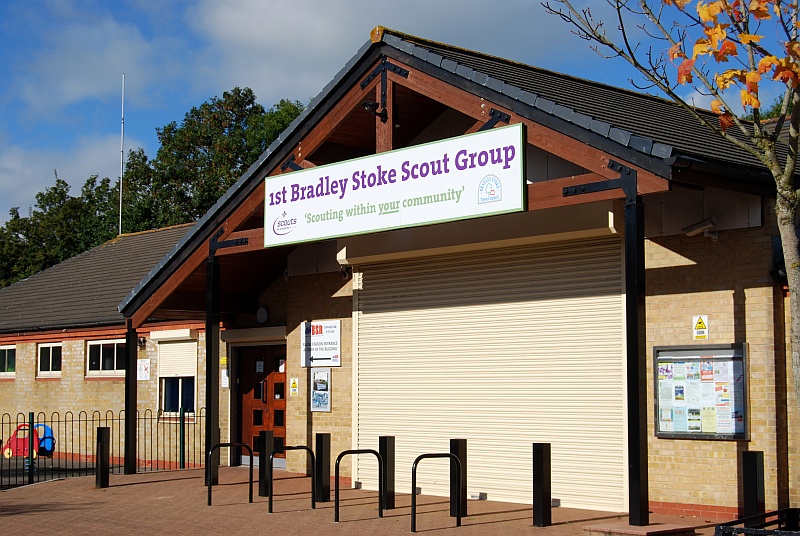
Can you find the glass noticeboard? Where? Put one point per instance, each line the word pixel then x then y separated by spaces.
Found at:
pixel 700 392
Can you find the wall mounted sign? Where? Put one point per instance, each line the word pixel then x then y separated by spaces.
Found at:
pixel 470 176
pixel 700 328
pixel 320 343
pixel 700 392
pixel 143 370
pixel 320 389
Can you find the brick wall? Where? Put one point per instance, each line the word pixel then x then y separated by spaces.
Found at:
pixel 319 297
pixel 728 280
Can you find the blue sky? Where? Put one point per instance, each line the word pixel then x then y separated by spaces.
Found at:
pixel 62 63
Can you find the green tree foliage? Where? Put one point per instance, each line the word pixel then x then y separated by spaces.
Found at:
pixel 196 163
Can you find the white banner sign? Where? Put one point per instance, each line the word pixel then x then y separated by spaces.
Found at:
pixel 479 174
pixel 320 344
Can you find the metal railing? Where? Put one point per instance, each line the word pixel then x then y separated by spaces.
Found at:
pixel 64 443
pixel 779 522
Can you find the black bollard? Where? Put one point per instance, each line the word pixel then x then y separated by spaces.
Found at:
pixel 266 444
pixel 542 500
pixel 386 450
pixel 102 457
pixel 323 467
pixel 458 487
pixel 753 483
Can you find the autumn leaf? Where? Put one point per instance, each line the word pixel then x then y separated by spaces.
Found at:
pixel 729 77
pixel 766 63
pixel 675 52
pixel 760 9
pixel 750 38
pixel 748 99
pixel 716 107
pixel 725 121
pixel 785 71
pixel 680 4
pixel 793 49
pixel 702 46
pixel 716 34
pixel 685 71
pixel 752 78
pixel 728 48
pixel 709 12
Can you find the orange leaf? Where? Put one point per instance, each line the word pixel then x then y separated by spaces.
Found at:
pixel 728 48
pixel 766 63
pixel 716 107
pixel 750 38
pixel 725 121
pixel 729 77
pixel 679 3
pixel 759 9
pixel 685 71
pixel 793 49
pixel 785 71
pixel 675 52
pixel 709 12
pixel 748 99
pixel 752 78
pixel 716 34
pixel 702 46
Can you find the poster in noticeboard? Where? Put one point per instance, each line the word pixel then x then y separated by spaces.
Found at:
pixel 700 392
pixel 321 389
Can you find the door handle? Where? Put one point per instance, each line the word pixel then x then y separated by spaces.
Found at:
pixel 264 387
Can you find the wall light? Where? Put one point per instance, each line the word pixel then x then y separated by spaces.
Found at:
pixel 372 106
pixel 705 226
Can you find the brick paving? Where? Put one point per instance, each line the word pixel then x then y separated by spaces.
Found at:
pixel 175 502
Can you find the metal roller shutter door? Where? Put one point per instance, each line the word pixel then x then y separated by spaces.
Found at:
pixel 505 348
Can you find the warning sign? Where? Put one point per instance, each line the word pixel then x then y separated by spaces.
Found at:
pixel 700 328
pixel 294 387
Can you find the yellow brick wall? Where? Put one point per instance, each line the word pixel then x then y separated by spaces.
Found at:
pixel 319 297
pixel 728 280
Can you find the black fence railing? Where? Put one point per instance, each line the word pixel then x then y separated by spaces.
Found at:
pixel 63 444
pixel 779 522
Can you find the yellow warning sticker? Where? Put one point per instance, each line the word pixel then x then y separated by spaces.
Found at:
pixel 700 328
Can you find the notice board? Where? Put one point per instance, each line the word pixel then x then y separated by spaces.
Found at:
pixel 700 392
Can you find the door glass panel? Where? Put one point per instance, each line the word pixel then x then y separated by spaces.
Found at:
pixel 258 417
pixel 279 417
pixel 279 391
pixel 257 391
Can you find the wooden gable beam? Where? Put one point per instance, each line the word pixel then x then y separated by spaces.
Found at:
pixel 592 159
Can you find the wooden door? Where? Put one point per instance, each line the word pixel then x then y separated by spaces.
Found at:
pixel 262 393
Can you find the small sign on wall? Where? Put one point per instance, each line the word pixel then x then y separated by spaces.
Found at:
pixel 143 370
pixel 294 387
pixel 320 389
pixel 700 328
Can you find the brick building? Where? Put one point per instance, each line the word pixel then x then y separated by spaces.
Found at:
pixel 447 244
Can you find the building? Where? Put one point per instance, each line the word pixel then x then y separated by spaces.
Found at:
pixel 606 286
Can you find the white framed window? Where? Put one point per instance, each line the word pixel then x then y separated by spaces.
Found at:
pixel 177 376
pixel 8 361
pixel 49 364
pixel 105 358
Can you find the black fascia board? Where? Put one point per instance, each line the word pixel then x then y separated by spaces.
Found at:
pixel 653 164
pixel 320 106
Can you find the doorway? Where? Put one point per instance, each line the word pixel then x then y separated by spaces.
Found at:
pixel 262 395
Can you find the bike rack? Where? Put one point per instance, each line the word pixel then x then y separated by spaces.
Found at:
pixel 208 465
pixel 313 471
pixel 380 480
pixel 421 457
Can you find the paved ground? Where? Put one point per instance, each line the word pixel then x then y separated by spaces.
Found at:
pixel 175 502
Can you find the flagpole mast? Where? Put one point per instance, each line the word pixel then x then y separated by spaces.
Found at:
pixel 122 154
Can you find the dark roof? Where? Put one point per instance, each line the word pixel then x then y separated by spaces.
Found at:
pixel 644 130
pixel 84 291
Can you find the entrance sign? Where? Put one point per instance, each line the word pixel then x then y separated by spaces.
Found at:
pixel 320 344
pixel 470 176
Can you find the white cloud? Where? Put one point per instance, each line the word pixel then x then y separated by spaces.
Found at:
pixel 25 172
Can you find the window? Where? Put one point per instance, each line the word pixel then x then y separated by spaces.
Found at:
pixel 177 372
pixel 8 361
pixel 177 393
pixel 106 358
pixel 49 361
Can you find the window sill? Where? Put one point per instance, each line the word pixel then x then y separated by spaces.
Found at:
pixel 175 418
pixel 7 378
pixel 48 378
pixel 104 378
